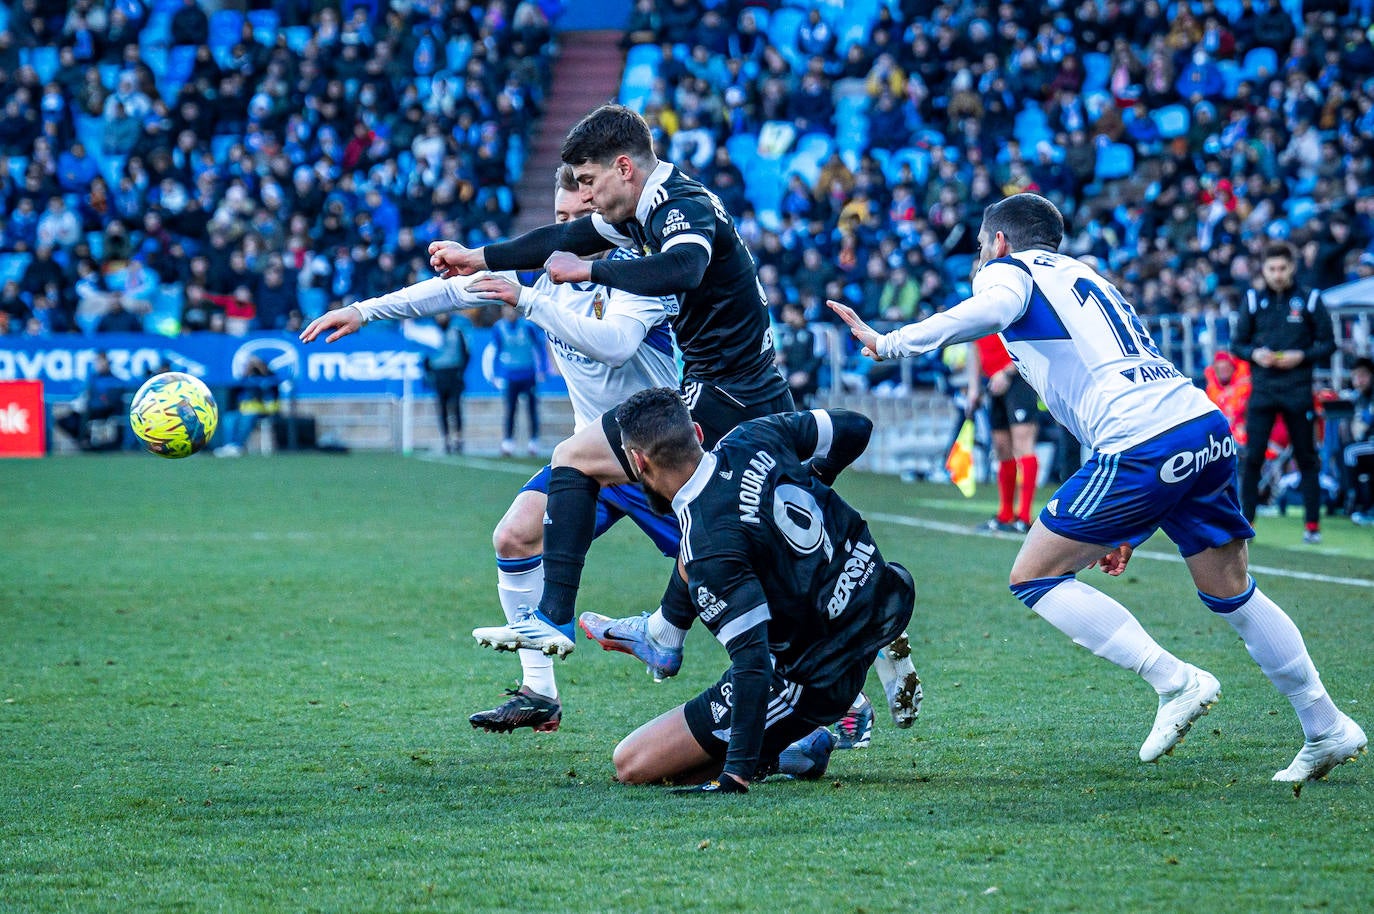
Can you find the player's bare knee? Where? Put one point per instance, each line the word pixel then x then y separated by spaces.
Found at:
pixel 629 763
pixel 516 541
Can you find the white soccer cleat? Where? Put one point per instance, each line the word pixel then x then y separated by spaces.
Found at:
pixel 1177 711
pixel 529 631
pixel 1316 759
pixel 901 685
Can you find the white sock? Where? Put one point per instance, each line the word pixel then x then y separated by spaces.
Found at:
pixel 1277 646
pixel 1105 627
pixel 524 588
pixel 665 632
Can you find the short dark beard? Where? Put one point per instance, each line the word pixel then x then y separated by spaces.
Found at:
pixel 657 502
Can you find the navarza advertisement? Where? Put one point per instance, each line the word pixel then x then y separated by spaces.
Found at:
pixel 368 364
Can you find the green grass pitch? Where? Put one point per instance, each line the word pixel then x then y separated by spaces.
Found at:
pixel 244 686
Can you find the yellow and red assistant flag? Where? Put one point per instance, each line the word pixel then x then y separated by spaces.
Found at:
pixel 959 462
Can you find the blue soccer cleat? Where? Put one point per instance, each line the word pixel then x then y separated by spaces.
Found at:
pixel 808 757
pixel 631 636
pixel 855 729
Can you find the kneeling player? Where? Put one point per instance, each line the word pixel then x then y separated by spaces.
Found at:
pixel 781 570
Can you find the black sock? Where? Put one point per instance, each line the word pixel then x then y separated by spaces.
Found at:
pixel 677 602
pixel 567 537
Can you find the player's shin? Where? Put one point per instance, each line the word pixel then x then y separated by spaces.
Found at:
pixel 519 584
pixel 1276 645
pixel 568 531
pixel 1102 625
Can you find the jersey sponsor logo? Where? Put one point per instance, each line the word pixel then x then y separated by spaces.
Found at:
pixel 727 474
pixel 718 711
pixel 599 305
pixel 1185 463
pixel 798 518
pixel 1146 373
pixel 674 223
pixel 751 486
pixel 858 568
pixel 767 341
pixel 711 605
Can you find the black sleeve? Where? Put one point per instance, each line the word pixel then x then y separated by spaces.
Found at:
pixel 670 273
pixel 751 670
pixel 530 250
pixel 1323 336
pixel 1242 341
pixel 677 602
pixel 850 432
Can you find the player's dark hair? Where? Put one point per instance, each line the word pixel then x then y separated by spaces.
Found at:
pixel 563 179
pixel 1026 221
pixel 1281 250
pixel 608 132
pixel 656 422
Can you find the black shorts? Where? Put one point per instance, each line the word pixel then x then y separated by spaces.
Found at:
pixel 712 408
pixel 793 711
pixel 1018 406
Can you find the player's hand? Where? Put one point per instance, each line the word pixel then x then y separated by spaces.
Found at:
pixel 1263 357
pixel 866 335
pixel 564 267
pixel 726 784
pixel 1288 358
pixel 341 322
pixel 999 383
pixel 496 289
pixel 1115 562
pixel 449 258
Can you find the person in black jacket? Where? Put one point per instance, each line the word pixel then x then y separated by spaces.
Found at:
pixel 1284 332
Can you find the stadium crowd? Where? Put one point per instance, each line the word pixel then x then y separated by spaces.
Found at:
pixel 177 165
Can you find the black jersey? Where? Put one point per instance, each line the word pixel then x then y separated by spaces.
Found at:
pixel 763 539
pixel 722 325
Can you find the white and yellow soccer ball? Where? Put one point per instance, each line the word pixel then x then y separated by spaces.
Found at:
pixel 174 414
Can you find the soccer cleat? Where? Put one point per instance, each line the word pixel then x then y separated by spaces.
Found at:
pixel 1316 759
pixel 855 729
pixel 524 708
pixel 631 636
pixel 808 757
pixel 1177 711
pixel 530 631
pixel 993 525
pixel 1312 537
pixel 901 685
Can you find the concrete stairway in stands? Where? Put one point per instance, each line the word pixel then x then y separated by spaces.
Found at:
pixel 585 75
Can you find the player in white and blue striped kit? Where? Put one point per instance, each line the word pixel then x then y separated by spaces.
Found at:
pixel 1163 458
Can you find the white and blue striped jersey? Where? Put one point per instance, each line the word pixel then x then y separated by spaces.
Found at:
pixel 1076 340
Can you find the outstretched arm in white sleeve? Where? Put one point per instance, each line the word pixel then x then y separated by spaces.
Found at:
pixel 611 340
pixel 423 299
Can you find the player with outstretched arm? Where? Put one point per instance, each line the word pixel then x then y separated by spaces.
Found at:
pixel 1163 458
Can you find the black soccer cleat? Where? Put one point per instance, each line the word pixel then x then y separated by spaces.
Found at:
pixel 524 708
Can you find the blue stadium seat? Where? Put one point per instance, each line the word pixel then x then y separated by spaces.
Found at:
pixel 109 76
pixel 44 62
pixel 156 32
pixel 1231 76
pixel 313 302
pixel 637 84
pixel 1299 210
pixel 12 266
pixel 226 28
pixel 782 32
pixel 90 131
pixel 918 159
pixel 1260 63
pixel 1114 160
pixel 96 242
pixel 644 54
pixel 297 37
pixel 743 149
pixel 181 60
pixel 458 51
pixel 816 144
pixel 1172 120
pixel 4 17
pixel 1097 69
pixel 18 165
pixel 763 183
pixel 265 24
pixel 111 167
pixel 220 145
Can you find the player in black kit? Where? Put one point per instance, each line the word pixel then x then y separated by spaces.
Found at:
pixel 781 570
pixel 692 251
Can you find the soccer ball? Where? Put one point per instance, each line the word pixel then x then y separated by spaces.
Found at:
pixel 174 414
